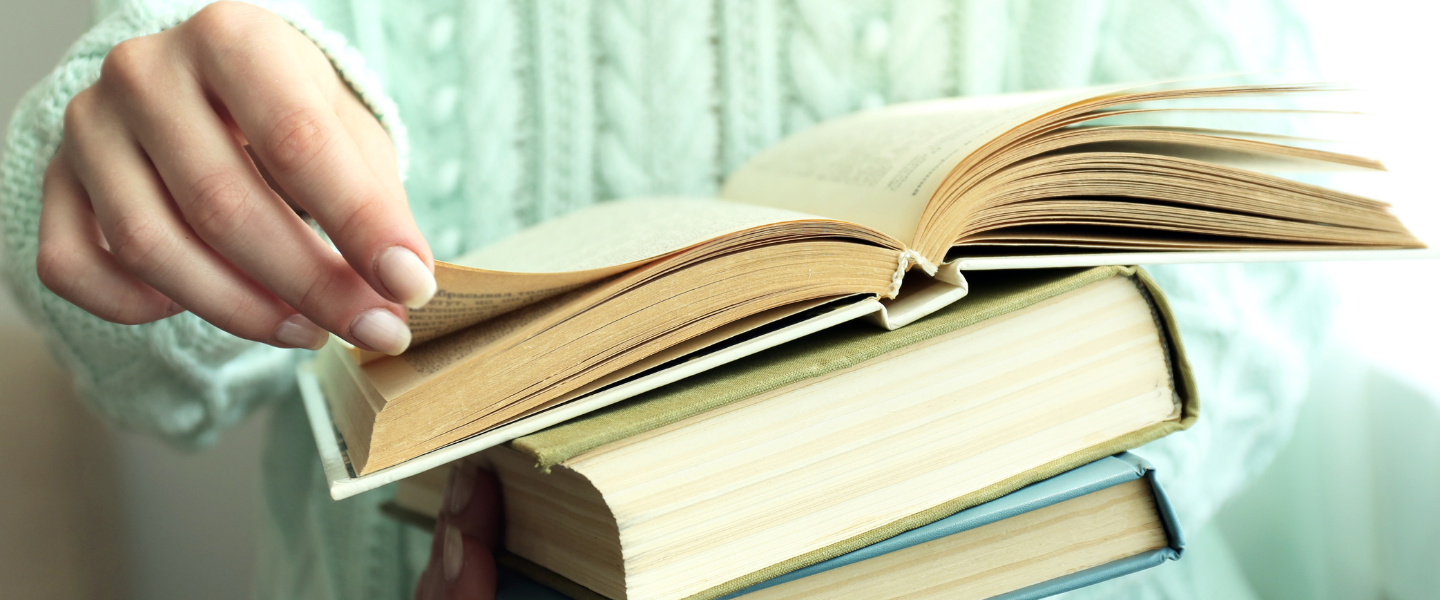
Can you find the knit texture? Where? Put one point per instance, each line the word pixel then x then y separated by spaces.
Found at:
pixel 520 110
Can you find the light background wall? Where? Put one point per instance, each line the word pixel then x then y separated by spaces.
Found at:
pixel 1388 309
pixel 86 512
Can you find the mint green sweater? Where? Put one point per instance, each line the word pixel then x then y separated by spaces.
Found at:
pixel 512 111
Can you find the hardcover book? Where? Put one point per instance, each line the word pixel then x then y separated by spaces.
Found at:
pixel 804 452
pixel 1101 521
pixel 1094 523
pixel 885 214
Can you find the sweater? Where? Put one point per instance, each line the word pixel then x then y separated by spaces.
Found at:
pixel 508 112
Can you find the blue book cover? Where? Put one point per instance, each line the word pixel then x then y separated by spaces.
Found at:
pixel 1093 478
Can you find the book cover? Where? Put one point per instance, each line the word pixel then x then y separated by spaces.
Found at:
pixel 521 580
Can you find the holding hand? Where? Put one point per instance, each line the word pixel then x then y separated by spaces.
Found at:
pixel 152 205
pixel 462 564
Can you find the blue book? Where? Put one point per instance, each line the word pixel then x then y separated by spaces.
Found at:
pixel 1091 524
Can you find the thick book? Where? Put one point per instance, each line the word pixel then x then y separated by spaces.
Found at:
pixel 1097 522
pixel 820 447
pixel 831 350
pixel 824 227
pixel 1091 524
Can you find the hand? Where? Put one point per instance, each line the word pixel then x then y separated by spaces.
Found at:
pixel 152 205
pixel 462 565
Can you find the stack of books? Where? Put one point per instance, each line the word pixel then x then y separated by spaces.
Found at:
pixel 901 356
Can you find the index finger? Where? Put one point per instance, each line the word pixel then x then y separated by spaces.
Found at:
pixel 290 114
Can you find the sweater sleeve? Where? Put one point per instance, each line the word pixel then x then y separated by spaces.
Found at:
pixel 178 378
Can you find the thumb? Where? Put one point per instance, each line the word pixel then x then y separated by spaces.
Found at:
pixel 460 568
pixel 467 567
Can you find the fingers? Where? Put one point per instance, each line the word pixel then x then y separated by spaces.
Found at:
pixel 292 119
pixel 468 568
pixel 151 242
pixel 156 200
pixel 473 500
pixel 462 560
pixel 73 262
pixel 460 569
pixel 228 204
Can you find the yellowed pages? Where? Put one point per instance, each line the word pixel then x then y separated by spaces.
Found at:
pixel 880 168
pixel 607 235
pixel 574 250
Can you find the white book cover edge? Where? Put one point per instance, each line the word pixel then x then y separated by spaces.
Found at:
pixel 343 484
pixel 948 286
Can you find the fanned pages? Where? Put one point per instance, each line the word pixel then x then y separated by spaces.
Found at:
pixel 844 210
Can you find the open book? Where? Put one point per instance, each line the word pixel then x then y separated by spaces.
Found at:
pixel 815 229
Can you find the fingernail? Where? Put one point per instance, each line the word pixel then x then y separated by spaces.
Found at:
pixel 462 486
pixel 382 331
pixel 406 276
pixel 299 332
pixel 454 553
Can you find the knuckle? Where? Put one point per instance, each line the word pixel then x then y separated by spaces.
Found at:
pixel 60 268
pixel 218 12
pixel 131 314
pixel 80 110
pixel 224 26
pixel 220 17
pixel 297 139
pixel 53 172
pixel 56 265
pixel 220 206
pixel 242 318
pixel 138 244
pixel 128 67
pixel 316 293
pixel 359 216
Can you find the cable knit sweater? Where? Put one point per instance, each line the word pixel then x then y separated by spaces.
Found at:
pixel 520 110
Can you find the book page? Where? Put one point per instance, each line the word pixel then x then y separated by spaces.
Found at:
pixel 1148 187
pixel 622 233
pixel 880 168
pixel 575 250
pixel 395 375
pixel 465 296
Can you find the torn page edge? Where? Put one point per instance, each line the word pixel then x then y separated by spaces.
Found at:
pixel 924 294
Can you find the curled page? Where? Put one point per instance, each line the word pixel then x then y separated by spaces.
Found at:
pixel 575 250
